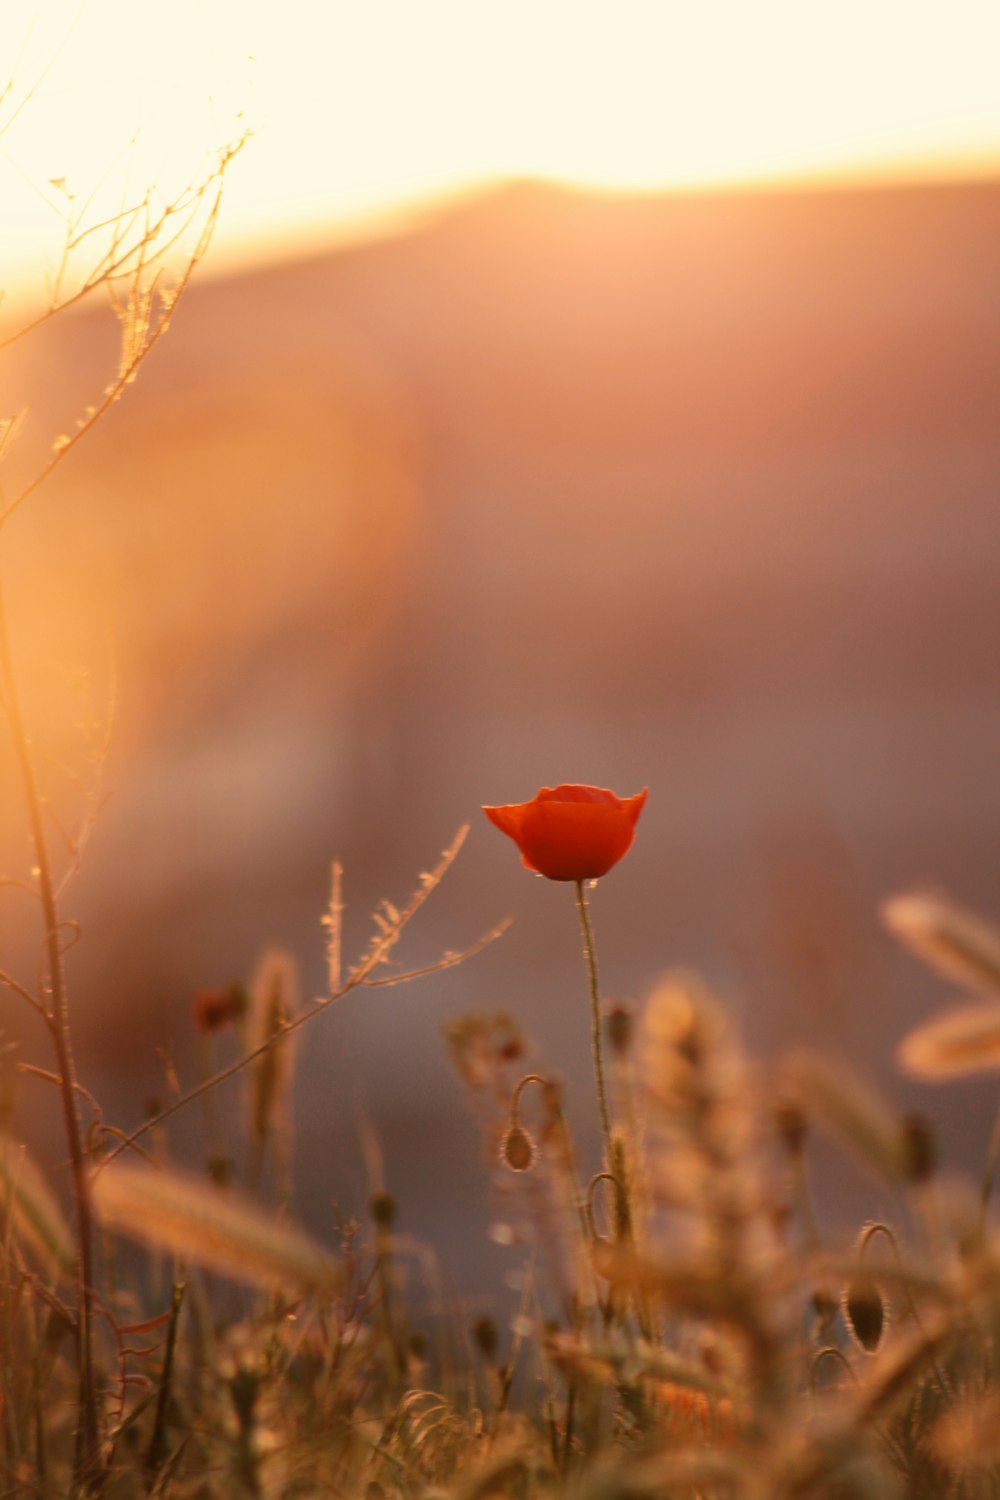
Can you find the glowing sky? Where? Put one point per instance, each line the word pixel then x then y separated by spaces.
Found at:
pixel 359 106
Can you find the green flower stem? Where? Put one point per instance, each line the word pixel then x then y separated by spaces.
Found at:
pixel 595 1022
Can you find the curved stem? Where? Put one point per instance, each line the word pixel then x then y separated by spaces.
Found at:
pixel 515 1098
pixel 595 1021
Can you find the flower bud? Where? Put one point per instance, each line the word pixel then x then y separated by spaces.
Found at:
pixel 517 1149
pixel 571 832
pixel 215 1009
pixel 865 1314
pixel 487 1339
pixel 618 1021
pixel 383 1210
pixel 919 1149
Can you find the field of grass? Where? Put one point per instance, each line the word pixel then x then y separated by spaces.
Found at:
pixel 683 1326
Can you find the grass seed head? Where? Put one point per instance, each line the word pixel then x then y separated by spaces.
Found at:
pixel 174 1212
pixel 848 1109
pixel 35 1215
pixel 954 1044
pixel 960 945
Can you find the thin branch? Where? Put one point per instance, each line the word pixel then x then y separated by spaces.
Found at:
pixel 123 259
pixel 48 1077
pixel 447 960
pixel 11 983
pixel 357 978
pixel 54 57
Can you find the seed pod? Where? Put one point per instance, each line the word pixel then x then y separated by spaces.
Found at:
pixel 517 1149
pixel 919 1148
pixel 618 1022
pixel 791 1122
pixel 487 1339
pixel 383 1209
pixel 865 1312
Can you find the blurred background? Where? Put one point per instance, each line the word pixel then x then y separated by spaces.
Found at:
pixel 576 398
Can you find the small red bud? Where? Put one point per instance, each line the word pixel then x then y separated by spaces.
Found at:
pixel 214 1009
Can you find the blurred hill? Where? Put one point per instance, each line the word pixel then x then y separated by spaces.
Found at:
pixel 694 491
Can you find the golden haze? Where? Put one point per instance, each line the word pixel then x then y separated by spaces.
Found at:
pixel 362 112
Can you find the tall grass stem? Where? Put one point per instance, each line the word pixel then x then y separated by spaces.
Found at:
pixel 88 1466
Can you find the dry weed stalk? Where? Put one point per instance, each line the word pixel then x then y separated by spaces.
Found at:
pixel 390 923
pixel 133 270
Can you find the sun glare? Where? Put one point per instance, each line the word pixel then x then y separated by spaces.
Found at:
pixel 360 109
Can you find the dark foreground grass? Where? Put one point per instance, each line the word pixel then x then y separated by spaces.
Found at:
pixel 680 1330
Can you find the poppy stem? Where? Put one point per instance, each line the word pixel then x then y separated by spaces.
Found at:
pixel 595 1020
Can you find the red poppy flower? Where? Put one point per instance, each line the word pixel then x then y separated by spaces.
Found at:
pixel 571 832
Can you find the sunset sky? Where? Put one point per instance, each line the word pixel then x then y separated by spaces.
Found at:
pixel 361 108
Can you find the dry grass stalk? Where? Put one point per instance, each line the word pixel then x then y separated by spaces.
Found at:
pixel 954 1044
pixel 185 1216
pixel 274 1004
pixel 832 1095
pixel 960 945
pixel 37 1220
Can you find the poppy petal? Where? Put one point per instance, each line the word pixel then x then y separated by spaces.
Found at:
pixel 572 831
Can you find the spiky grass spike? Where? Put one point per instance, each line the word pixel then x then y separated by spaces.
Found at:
pixel 960 945
pixel 182 1215
pixel 35 1216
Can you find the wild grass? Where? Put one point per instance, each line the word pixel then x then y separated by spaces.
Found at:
pixel 684 1330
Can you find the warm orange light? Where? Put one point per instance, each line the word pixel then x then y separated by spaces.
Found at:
pixel 359 108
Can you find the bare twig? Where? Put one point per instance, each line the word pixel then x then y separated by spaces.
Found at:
pixel 387 936
pixel 11 983
pixel 135 349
